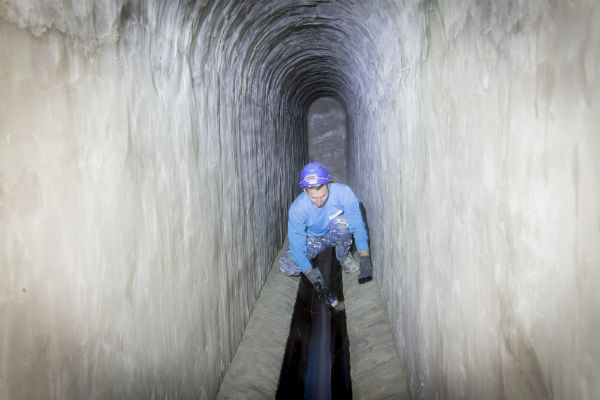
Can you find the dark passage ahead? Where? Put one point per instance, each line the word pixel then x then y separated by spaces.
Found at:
pixel 316 363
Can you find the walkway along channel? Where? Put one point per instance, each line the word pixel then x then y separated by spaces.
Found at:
pixel 376 371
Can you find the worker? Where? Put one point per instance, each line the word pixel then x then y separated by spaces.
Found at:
pixel 325 214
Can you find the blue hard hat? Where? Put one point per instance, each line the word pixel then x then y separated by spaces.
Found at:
pixel 313 174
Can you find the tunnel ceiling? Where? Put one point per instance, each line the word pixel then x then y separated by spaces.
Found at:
pixel 300 50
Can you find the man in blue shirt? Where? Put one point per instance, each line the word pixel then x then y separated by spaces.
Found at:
pixel 325 214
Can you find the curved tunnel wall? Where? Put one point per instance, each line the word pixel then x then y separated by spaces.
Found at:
pixel 149 150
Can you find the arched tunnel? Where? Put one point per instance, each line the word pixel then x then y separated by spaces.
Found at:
pixel 150 150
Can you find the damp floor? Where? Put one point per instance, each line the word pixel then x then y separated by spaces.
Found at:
pixel 376 370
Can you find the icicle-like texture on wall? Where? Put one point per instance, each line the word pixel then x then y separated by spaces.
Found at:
pixel 149 151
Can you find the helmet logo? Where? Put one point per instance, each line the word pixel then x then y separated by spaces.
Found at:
pixel 311 179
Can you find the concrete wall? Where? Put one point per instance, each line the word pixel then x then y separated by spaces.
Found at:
pixel 149 151
pixel 477 153
pixel 144 184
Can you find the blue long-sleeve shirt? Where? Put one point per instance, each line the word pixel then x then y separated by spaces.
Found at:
pixel 305 217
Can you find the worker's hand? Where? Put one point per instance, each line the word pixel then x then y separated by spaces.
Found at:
pixel 316 278
pixel 314 275
pixel 366 269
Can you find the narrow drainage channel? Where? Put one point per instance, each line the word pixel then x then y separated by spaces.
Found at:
pixel 316 363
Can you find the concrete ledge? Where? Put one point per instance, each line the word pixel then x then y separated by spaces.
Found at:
pixel 254 371
pixel 375 367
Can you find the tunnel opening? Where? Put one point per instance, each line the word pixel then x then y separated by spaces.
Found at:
pixel 327 136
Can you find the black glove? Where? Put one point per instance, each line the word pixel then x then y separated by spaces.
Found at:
pixel 366 269
pixel 315 277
